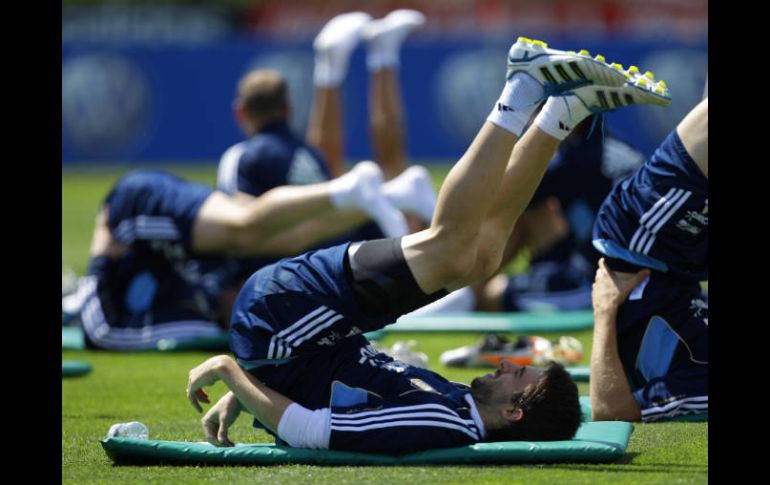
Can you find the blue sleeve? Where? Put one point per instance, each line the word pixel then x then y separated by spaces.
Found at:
pixel 262 168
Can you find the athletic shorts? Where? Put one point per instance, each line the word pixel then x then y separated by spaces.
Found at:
pixel 663 345
pixel 297 307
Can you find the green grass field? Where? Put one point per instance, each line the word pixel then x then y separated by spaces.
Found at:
pixel 149 387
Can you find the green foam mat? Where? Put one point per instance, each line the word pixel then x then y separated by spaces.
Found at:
pixel 524 322
pixel 74 368
pixel 585 408
pixel 594 442
pixel 580 373
pixel 72 339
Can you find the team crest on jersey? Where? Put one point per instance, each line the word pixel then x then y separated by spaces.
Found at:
pixel 695 222
pixel 699 308
pixel 422 385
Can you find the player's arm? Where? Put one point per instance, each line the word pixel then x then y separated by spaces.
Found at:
pixel 293 423
pixel 611 397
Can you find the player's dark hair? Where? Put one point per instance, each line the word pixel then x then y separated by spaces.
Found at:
pixel 551 410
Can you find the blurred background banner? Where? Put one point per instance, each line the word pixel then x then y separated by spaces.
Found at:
pixel 149 82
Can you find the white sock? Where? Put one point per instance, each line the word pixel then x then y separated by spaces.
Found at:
pixel 330 69
pixel 360 189
pixel 560 115
pixel 334 45
pixel 384 37
pixel 412 191
pixel 516 104
pixel 462 300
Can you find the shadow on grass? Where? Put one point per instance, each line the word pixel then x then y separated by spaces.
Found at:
pixel 625 464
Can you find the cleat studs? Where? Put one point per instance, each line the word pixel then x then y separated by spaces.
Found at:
pixel 540 43
pixel 633 69
pixel 524 39
pixel 584 52
pixel 649 75
pixel 617 66
pixel 600 58
pixel 642 82
pixel 659 90
pixel 663 84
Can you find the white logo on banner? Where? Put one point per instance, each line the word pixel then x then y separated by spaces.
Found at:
pixel 105 103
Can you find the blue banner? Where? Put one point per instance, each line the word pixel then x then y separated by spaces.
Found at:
pixel 173 102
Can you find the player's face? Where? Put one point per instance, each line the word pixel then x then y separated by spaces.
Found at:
pixel 509 378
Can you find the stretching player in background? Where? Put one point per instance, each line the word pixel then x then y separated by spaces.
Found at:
pixel 304 370
pixel 159 266
pixel 650 349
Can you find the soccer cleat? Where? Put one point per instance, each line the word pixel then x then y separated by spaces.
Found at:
pixel 560 71
pixel 638 89
pixel 493 349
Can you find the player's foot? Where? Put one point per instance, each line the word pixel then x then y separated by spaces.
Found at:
pixel 360 189
pixel 393 28
pixel 560 71
pixel 638 89
pixel 412 191
pixel 342 33
pixel 334 45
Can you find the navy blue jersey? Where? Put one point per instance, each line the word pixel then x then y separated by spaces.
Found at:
pixel 658 217
pixel 297 327
pixel 580 175
pixel 663 345
pixel 269 159
pixel 155 210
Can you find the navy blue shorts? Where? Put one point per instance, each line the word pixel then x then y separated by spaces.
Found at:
pixel 155 207
pixel 298 306
pixel 663 344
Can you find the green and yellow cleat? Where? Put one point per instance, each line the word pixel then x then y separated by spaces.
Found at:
pixel 560 72
pixel 638 89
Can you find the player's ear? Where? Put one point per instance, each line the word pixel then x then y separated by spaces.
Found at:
pixel 512 413
pixel 239 112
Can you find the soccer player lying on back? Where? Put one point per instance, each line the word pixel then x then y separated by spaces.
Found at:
pixel 304 370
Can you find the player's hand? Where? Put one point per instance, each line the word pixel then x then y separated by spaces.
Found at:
pixel 204 375
pixel 218 420
pixel 610 289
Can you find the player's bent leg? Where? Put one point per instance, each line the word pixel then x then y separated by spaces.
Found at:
pixel 694 133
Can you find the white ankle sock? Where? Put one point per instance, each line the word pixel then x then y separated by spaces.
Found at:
pixel 516 104
pixel 412 191
pixel 560 115
pixel 360 189
pixel 329 70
